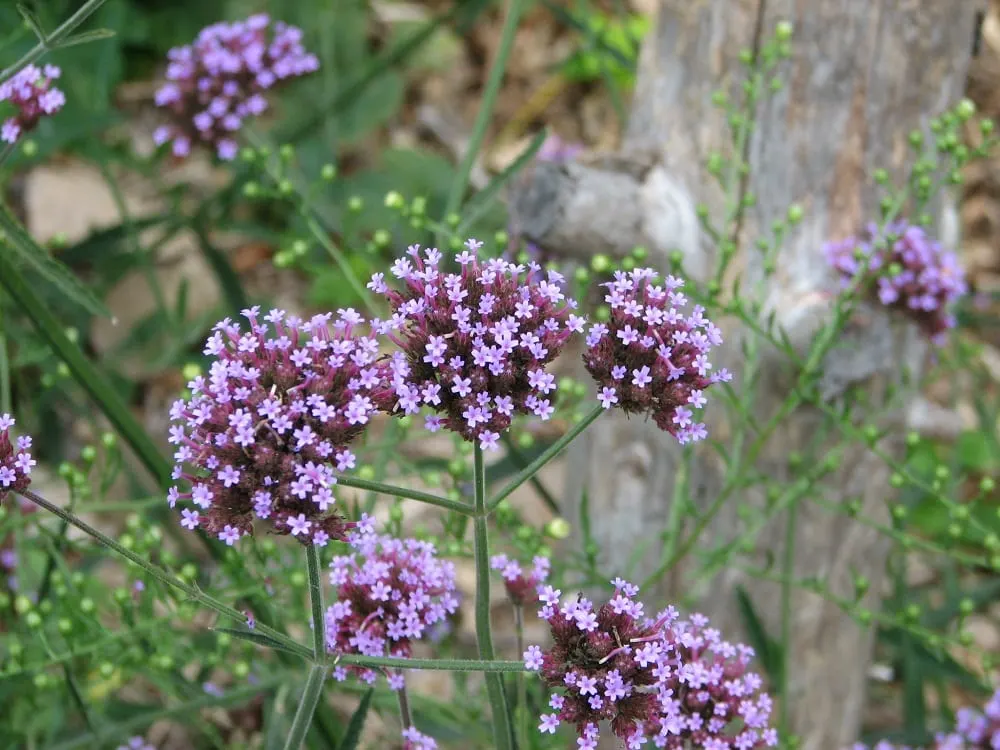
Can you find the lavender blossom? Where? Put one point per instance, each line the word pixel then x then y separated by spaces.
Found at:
pixel 32 92
pixel 522 589
pixel 475 344
pixel 650 357
pixel 670 681
pixel 265 433
pixel 907 271
pixel 389 594
pixel 219 81
pixel 15 460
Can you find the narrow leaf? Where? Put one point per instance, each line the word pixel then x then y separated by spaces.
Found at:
pixel 54 272
pixel 767 648
pixel 85 37
pixel 353 735
pixel 258 639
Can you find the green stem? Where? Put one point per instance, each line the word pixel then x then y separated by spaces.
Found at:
pixel 53 39
pixel 316 603
pixel 431 665
pixel 788 565
pixel 307 707
pixel 423 497
pixel 162 575
pixel 489 97
pixel 338 257
pixel 522 685
pixel 404 708
pixel 484 638
pixel 551 452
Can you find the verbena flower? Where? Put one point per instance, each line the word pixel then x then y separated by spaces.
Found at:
pixel 664 680
pixel 522 588
pixel 389 594
pixel 219 81
pixel 475 344
pixel 15 460
pixel 907 271
pixel 650 357
pixel 32 93
pixel 555 149
pixel 414 739
pixel 265 433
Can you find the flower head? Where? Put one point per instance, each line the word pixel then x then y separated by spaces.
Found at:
pixel 672 681
pixel 15 460
pixel 907 270
pixel 652 357
pixel 31 91
pixel 475 343
pixel 265 433
pixel 389 594
pixel 521 587
pixel 220 80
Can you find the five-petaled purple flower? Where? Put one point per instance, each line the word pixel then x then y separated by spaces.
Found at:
pixel 662 679
pixel 389 594
pixel 521 588
pixel 650 356
pixel 907 270
pixel 265 433
pixel 475 344
pixel 15 460
pixel 220 80
pixel 32 92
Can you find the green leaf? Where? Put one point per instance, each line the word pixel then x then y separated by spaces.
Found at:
pixel 258 639
pixel 54 272
pixel 353 734
pixel 86 37
pixel 768 649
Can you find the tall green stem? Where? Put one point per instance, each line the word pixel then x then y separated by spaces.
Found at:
pixel 494 681
pixel 551 452
pixel 317 674
pixel 307 707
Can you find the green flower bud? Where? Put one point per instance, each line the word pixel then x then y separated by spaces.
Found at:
pixel 558 528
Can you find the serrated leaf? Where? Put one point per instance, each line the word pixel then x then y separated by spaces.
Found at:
pixel 31 254
pixel 260 640
pixel 353 734
pixel 85 37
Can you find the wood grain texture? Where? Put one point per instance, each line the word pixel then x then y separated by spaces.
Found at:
pixel 862 75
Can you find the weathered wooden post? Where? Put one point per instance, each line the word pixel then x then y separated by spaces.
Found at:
pixel 862 75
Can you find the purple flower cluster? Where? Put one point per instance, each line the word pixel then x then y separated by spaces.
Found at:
pixel 219 81
pixel 670 681
pixel 389 593
pixel 474 344
pixel 908 271
pixel 32 92
pixel 263 435
pixel 555 149
pixel 650 357
pixel 974 730
pixel 414 739
pixel 15 460
pixel 522 588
